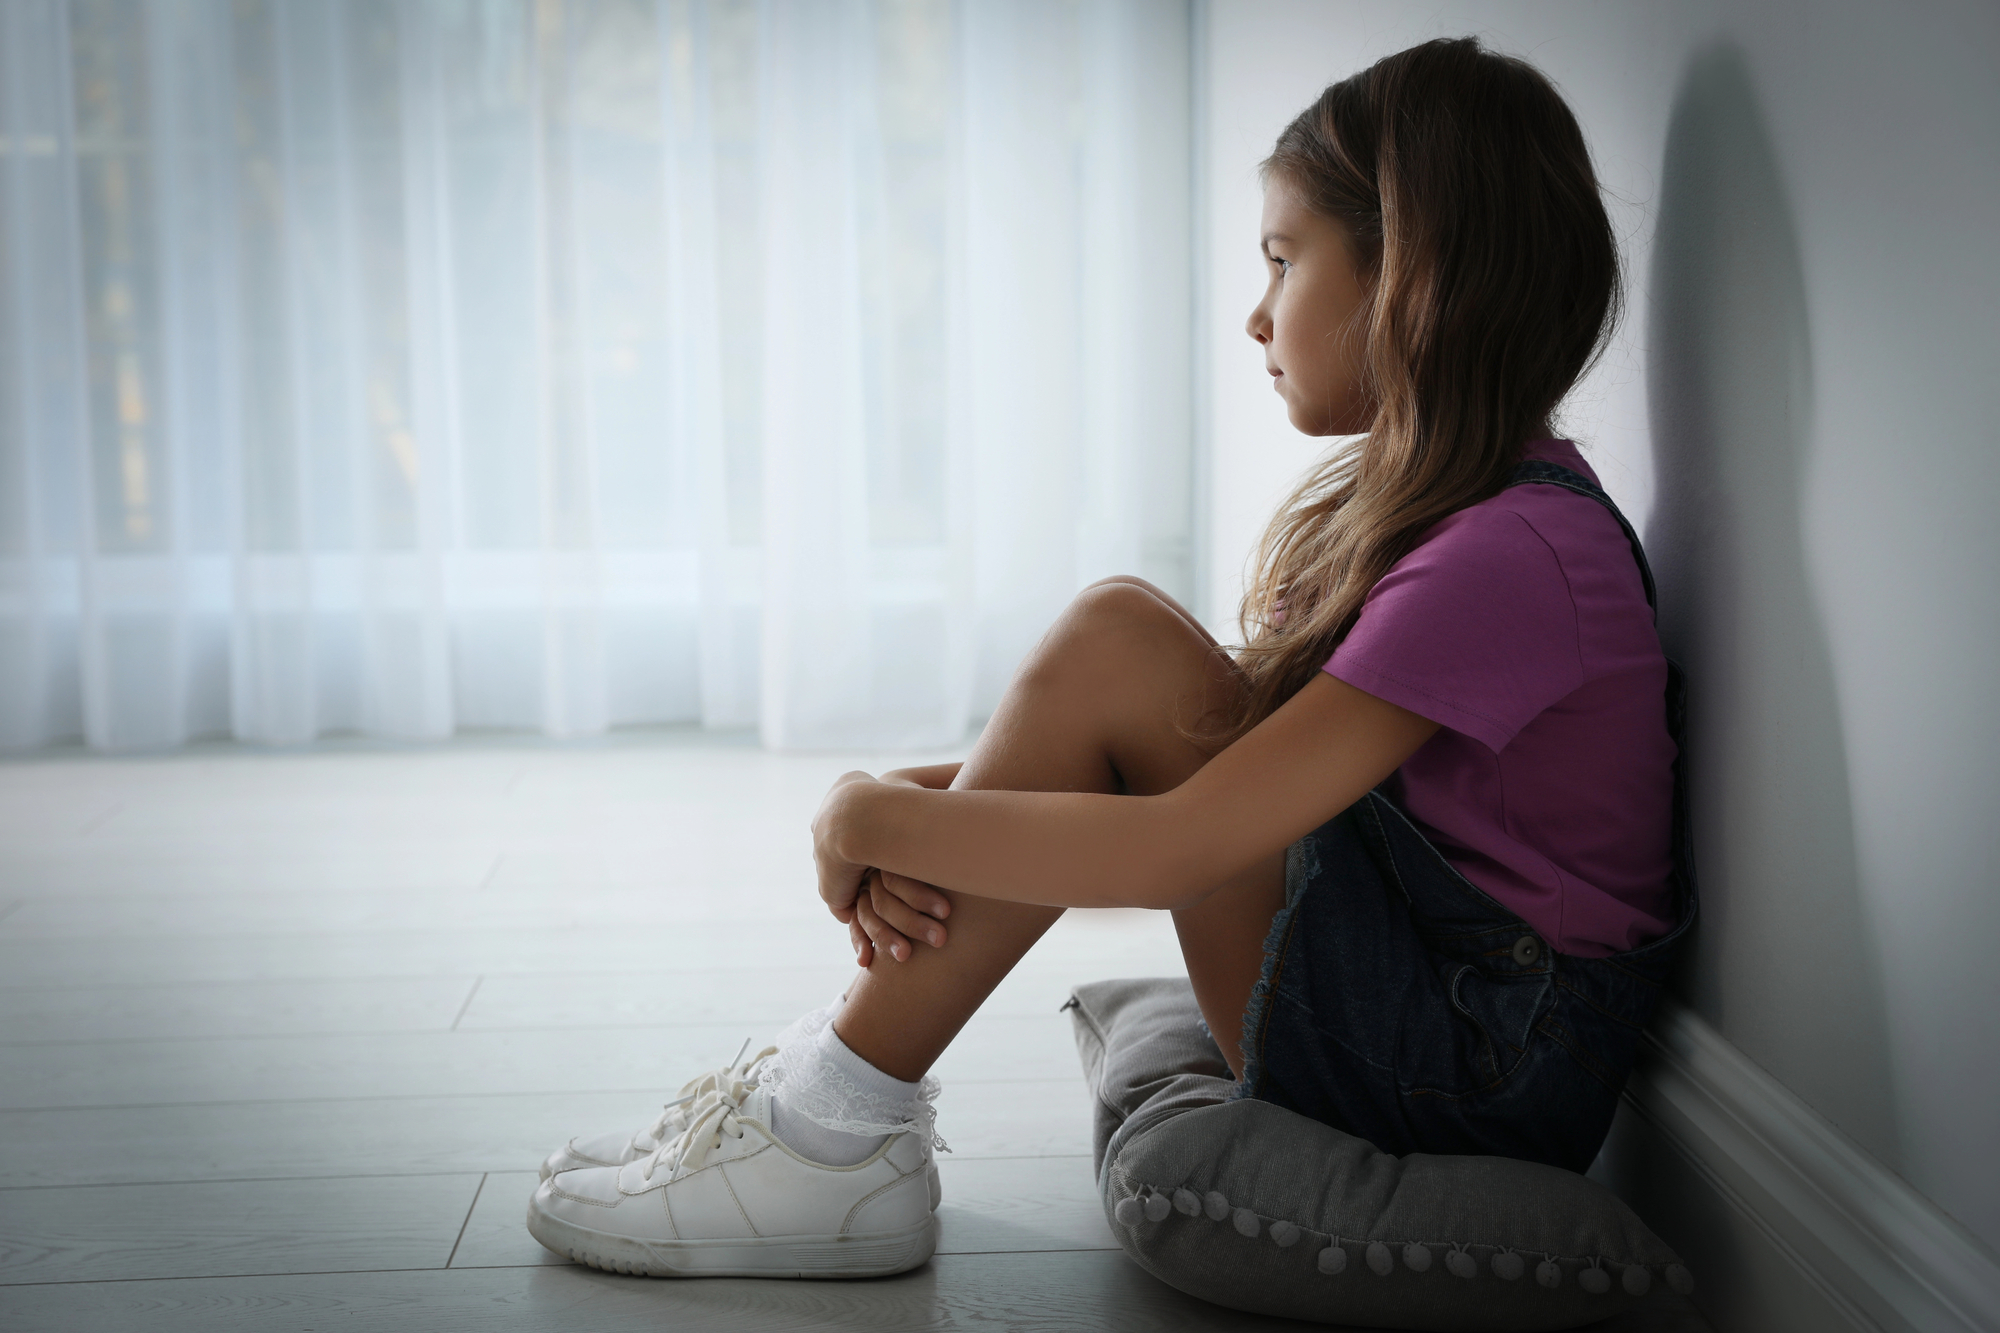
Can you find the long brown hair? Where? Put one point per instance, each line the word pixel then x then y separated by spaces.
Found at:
pixel 1463 181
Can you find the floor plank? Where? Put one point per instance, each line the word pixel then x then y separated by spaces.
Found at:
pixel 745 905
pixel 48 1014
pixel 85 869
pixel 231 1228
pixel 753 996
pixel 374 1136
pixel 1021 1204
pixel 496 1233
pixel 690 896
pixel 471 949
pixel 438 1064
pixel 355 955
pixel 1021 1293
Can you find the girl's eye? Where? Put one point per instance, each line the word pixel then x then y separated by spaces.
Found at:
pixel 1284 265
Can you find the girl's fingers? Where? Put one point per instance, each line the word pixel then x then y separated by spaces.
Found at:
pixel 919 895
pixel 886 938
pixel 839 885
pixel 894 910
pixel 857 934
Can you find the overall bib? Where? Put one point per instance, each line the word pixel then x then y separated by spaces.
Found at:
pixel 1402 1004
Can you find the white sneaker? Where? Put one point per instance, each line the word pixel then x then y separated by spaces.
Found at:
pixel 727 1199
pixel 616 1148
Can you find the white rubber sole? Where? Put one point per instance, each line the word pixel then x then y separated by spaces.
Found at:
pixel 875 1255
pixel 550 1168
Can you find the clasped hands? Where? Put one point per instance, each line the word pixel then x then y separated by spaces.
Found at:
pixel 885 913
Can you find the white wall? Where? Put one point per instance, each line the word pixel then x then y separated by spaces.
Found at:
pixel 1800 415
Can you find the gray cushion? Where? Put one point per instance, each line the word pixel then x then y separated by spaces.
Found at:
pixel 1258 1208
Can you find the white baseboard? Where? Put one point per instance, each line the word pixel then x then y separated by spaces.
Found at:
pixel 1787 1224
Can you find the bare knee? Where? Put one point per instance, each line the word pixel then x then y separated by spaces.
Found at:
pixel 1159 594
pixel 1130 581
pixel 1114 635
pixel 1124 597
pixel 1108 621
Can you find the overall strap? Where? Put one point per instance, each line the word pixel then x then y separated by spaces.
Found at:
pixel 1555 474
pixel 1536 472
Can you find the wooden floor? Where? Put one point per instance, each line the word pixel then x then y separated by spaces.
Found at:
pixel 283 1037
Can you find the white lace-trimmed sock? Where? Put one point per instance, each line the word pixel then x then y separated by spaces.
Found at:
pixel 814 1141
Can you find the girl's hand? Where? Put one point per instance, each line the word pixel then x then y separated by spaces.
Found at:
pixel 895 912
pixel 840 880
pixel 880 910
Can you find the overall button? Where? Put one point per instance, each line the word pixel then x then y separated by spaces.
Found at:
pixel 1527 951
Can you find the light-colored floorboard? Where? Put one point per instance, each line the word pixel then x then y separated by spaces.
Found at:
pixel 712 900
pixel 230 1228
pixel 496 1235
pixel 340 955
pixel 229 1009
pixel 1018 1293
pixel 754 997
pixel 444 1063
pixel 377 1136
pixel 741 901
pixel 88 868
pixel 813 940
pixel 1003 1205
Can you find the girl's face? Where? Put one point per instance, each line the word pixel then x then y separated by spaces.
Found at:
pixel 1313 319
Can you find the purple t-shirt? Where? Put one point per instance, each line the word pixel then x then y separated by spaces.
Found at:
pixel 1520 626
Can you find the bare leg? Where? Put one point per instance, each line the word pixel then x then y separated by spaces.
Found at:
pixel 1097 701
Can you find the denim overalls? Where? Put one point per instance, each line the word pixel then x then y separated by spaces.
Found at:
pixel 1401 1004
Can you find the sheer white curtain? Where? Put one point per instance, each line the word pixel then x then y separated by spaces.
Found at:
pixel 406 366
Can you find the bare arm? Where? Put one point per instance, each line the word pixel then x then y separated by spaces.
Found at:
pixel 936 777
pixel 1317 755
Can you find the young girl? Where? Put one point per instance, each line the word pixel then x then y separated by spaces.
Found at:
pixel 1420 836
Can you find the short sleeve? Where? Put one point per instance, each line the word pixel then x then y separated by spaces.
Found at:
pixel 1475 629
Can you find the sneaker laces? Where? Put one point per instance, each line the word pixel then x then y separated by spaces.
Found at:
pixel 704 1085
pixel 718 1114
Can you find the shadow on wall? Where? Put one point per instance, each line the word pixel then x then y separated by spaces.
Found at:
pixel 1784 964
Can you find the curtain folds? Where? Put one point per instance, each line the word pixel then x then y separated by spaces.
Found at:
pixel 409 366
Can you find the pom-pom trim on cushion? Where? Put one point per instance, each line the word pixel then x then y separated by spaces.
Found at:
pixel 1149 1204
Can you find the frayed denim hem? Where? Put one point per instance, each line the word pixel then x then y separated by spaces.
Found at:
pixel 1251 1044
pixel 1301 864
